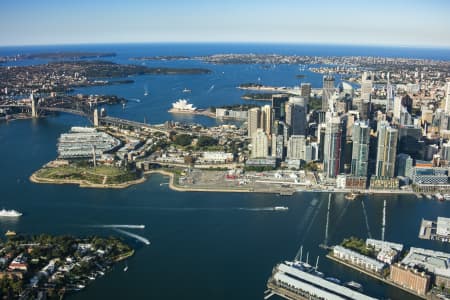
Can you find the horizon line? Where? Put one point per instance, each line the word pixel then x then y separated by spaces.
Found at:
pixel 435 47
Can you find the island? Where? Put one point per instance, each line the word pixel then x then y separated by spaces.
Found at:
pixel 50 267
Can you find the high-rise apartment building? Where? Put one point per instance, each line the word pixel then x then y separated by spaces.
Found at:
pixel 360 150
pixel 328 91
pixel 386 150
pixel 260 144
pixel 253 121
pixel 332 146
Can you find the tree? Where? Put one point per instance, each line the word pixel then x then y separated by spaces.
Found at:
pixel 205 141
pixel 182 139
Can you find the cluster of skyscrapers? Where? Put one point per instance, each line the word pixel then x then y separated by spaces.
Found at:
pixel 346 136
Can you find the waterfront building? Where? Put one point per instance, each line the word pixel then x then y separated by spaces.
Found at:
pixel 404 165
pixel 429 175
pixel 266 119
pixel 278 106
pixel 379 245
pixel 352 182
pixel 360 150
pixel 366 86
pixel 358 259
pixel 443 229
pixel 254 121
pixel 410 278
pixel 387 255
pixel 386 150
pixel 327 91
pixel 260 144
pixel 383 183
pixel 223 113
pixel 296 115
pixel 296 280
pixel 297 147
pixel 305 90
pixel 332 146
pixel 80 142
pixel 183 105
pixel 429 260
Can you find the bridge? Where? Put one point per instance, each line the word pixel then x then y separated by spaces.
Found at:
pixel 87 110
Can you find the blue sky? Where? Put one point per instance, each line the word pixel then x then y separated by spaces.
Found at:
pixel 375 22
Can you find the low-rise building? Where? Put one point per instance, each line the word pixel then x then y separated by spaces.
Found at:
pixel 410 278
pixel 216 157
pixel 358 259
pixel 379 245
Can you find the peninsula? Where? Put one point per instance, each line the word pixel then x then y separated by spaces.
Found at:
pixel 46 266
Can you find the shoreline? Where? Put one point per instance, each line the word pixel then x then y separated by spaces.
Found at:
pixel 372 275
pixel 85 184
pixel 174 186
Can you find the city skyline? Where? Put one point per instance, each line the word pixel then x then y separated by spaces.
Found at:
pixel 391 23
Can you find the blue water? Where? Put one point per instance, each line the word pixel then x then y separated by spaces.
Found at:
pixel 203 245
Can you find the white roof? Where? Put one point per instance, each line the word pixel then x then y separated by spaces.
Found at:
pixel 318 281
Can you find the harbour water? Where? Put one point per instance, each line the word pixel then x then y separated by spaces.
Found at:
pixel 203 245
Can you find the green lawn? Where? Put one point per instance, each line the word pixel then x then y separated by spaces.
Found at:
pixel 90 174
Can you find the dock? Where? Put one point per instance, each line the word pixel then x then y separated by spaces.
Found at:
pixel 373 275
pixel 426 231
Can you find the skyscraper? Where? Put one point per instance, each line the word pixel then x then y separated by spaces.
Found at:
pixel 327 92
pixel 366 86
pixel 296 115
pixel 260 144
pixel 253 121
pixel 278 146
pixel 447 99
pixel 386 150
pixel 278 106
pixel 305 89
pixel 332 147
pixel 266 119
pixel 404 165
pixel 297 147
pixel 360 150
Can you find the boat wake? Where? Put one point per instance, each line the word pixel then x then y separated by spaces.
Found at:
pixel 119 226
pixel 135 100
pixel 137 237
pixel 211 89
pixel 270 208
pixel 366 219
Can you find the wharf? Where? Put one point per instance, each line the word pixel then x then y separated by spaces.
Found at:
pixel 427 230
pixel 373 275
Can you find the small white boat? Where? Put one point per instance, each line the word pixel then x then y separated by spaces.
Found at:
pixel 186 90
pixel 125 268
pixel 280 208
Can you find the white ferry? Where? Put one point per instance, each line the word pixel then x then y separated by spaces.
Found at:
pixel 10 213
